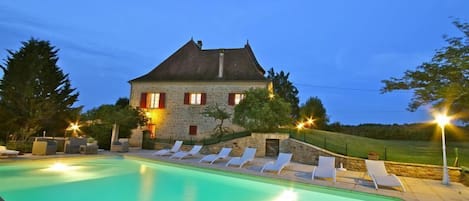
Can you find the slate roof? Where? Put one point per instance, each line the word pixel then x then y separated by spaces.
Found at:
pixel 192 63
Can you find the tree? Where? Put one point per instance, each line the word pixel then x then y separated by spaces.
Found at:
pixel 35 94
pixel 314 109
pixel 442 82
pixel 219 114
pixel 260 112
pixel 285 89
pixel 101 119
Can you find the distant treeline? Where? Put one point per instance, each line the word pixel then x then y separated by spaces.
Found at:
pixel 418 131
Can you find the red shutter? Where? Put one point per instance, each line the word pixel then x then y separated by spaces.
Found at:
pixel 143 100
pixel 186 98
pixel 203 98
pixel 161 104
pixel 192 130
pixel 231 99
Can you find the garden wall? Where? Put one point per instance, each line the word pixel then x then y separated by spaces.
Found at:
pixel 309 154
pixel 256 140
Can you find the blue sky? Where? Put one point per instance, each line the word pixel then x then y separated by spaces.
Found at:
pixel 337 50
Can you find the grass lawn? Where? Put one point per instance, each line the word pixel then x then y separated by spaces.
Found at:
pixel 425 152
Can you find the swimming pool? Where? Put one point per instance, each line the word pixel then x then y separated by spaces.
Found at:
pixel 116 179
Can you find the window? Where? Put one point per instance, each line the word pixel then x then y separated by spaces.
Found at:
pixel 235 98
pixel 152 100
pixel 195 98
pixel 192 130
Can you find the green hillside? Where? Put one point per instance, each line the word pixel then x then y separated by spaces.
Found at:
pixel 425 152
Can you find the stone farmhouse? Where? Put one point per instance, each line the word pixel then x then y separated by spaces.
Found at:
pixel 176 92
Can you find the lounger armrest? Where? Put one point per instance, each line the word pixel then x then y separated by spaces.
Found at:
pixel 400 182
pixel 373 178
pixel 313 173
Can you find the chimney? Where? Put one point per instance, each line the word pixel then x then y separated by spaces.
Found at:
pixel 220 64
pixel 199 43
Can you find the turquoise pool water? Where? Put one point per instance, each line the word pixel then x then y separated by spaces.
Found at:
pixel 116 179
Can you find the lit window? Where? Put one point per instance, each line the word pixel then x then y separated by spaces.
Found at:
pixel 235 98
pixel 154 100
pixel 238 98
pixel 196 99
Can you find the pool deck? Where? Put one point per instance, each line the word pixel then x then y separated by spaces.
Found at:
pixel 416 189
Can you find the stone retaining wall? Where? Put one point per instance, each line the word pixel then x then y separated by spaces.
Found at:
pixel 309 154
pixel 256 140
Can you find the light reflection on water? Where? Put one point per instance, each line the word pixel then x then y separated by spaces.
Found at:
pixel 287 195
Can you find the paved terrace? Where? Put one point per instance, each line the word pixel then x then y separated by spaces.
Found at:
pixel 416 189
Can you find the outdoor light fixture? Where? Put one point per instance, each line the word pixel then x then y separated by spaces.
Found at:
pixel 300 126
pixel 74 127
pixel 271 95
pixel 310 121
pixel 442 120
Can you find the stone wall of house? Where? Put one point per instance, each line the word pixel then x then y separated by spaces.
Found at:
pixel 309 154
pixel 174 120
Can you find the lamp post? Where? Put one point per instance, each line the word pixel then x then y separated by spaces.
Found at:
pixel 442 121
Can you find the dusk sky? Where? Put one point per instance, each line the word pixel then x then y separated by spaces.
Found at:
pixel 337 50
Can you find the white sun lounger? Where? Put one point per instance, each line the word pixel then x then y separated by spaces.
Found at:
pixel 177 145
pixel 182 154
pixel 282 161
pixel 325 168
pixel 224 153
pixel 248 155
pixel 8 153
pixel 379 175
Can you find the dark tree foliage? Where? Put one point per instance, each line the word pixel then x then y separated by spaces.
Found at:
pixel 122 102
pixel 35 94
pixel 258 111
pixel 100 121
pixel 442 82
pixel 313 108
pixel 285 89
